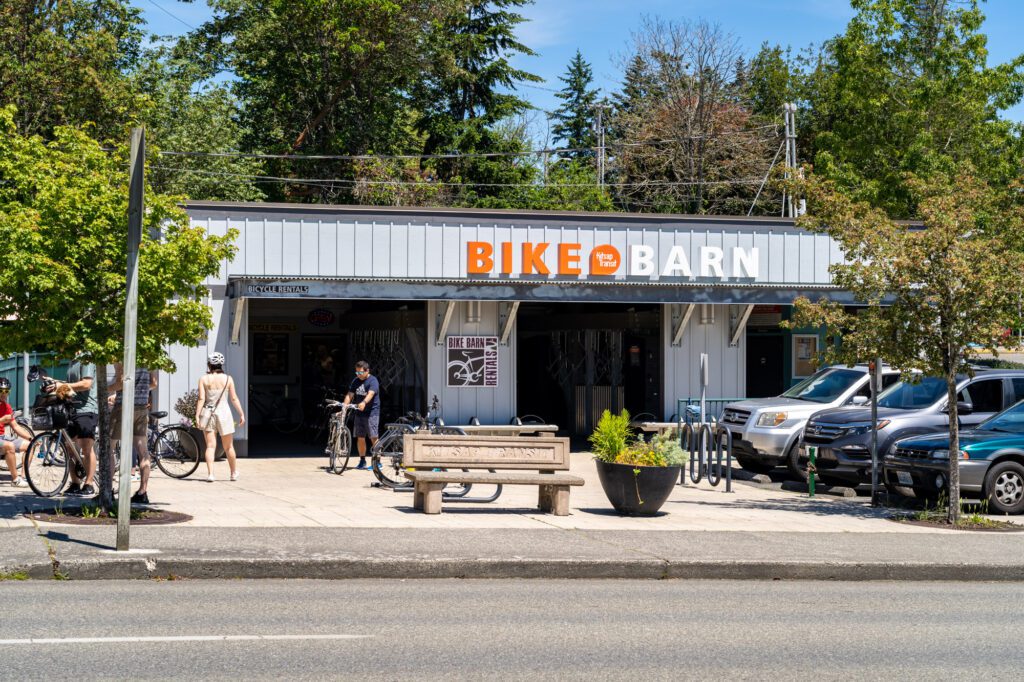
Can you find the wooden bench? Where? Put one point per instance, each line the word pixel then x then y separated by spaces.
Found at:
pixel 545 456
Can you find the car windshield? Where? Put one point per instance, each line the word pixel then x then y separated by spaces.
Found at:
pixel 826 386
pixel 1011 420
pixel 906 395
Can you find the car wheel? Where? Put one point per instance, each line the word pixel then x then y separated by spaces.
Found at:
pixel 796 464
pixel 755 466
pixel 1004 486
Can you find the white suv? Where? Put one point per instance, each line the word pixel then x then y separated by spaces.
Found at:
pixel 766 431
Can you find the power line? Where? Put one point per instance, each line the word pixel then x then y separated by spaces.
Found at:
pixel 428 183
pixel 172 15
pixel 468 155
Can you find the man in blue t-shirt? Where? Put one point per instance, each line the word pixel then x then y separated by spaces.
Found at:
pixel 364 392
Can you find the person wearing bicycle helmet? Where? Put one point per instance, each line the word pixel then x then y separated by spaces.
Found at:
pixel 364 392
pixel 213 415
pixel 15 437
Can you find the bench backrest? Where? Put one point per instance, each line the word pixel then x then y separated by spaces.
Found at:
pixel 424 451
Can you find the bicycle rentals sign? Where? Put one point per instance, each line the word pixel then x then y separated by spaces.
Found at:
pixel 472 361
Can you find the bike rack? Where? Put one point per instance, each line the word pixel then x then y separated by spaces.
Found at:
pixel 707 444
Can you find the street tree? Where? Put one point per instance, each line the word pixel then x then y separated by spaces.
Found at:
pixel 933 294
pixel 574 118
pixel 64 223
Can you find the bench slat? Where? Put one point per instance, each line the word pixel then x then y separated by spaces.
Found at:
pixel 427 451
pixel 489 477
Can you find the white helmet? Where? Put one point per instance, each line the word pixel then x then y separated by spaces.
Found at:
pixel 216 359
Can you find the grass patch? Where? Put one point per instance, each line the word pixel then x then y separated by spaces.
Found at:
pixel 967 520
pixel 14 575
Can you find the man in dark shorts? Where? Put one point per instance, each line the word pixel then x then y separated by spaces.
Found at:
pixel 83 427
pixel 364 392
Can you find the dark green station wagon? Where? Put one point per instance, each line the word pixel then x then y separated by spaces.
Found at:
pixel 991 462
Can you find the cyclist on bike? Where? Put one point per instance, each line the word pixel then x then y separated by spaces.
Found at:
pixel 15 438
pixel 83 425
pixel 364 391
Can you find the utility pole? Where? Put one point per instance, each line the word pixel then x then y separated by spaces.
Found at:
pixel 600 106
pixel 789 114
pixel 136 201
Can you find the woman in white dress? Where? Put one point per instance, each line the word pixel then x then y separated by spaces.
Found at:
pixel 215 388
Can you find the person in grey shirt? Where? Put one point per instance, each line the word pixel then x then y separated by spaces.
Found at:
pixel 81 379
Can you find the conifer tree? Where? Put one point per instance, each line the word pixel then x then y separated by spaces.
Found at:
pixel 575 117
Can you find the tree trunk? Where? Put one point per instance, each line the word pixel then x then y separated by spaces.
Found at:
pixel 953 471
pixel 105 458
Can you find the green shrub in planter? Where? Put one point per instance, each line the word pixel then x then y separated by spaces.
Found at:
pixel 637 475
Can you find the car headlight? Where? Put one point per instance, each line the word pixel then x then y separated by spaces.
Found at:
pixel 940 454
pixel 771 419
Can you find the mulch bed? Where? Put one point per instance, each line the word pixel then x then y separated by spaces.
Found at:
pixel 990 526
pixel 73 516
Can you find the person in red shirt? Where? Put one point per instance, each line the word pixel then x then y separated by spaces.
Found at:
pixel 14 439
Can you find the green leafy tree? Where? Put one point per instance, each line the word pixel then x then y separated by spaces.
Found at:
pixel 574 118
pixel 201 119
pixel 771 81
pixel 70 63
pixel 930 293
pixel 63 218
pixel 908 88
pixel 572 186
pixel 326 77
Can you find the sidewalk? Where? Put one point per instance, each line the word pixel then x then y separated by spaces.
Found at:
pixel 287 517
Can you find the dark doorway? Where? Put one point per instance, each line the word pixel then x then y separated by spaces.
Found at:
pixel 576 360
pixel 765 368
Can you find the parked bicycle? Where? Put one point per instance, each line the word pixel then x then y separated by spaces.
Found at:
pixel 52 452
pixel 386 460
pixel 172 448
pixel 339 438
pixel 284 414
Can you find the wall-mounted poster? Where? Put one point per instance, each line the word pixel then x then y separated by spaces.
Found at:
pixel 270 354
pixel 472 361
pixel 805 354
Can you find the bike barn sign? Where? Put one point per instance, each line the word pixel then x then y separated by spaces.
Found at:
pixel 472 361
pixel 509 259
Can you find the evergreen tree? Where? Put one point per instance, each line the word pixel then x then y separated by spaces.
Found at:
pixel 575 117
pixel 459 102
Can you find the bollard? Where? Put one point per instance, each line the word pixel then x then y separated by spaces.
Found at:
pixel 812 452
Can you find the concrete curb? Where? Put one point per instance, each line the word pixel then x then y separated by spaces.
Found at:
pixel 148 568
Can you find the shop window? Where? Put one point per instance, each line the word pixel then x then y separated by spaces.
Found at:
pixel 805 354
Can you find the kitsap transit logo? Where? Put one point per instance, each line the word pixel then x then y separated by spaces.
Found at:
pixel 566 259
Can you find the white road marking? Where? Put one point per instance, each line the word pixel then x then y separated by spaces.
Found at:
pixel 175 638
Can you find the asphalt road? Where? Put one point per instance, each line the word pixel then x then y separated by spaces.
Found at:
pixel 509 629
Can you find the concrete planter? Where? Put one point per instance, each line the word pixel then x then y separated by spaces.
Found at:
pixel 636 490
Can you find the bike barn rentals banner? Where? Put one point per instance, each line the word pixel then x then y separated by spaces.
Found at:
pixel 472 361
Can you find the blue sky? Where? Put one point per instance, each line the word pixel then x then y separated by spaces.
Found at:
pixel 601 29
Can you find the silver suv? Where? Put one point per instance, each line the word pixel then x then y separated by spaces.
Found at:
pixel 766 431
pixel 843 436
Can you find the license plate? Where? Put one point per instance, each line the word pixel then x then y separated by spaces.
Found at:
pixel 904 478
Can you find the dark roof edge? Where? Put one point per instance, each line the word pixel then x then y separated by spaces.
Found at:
pixel 256 206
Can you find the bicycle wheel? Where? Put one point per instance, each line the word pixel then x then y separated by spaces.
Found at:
pixel 176 452
pixel 386 461
pixel 290 419
pixel 341 450
pixel 46 464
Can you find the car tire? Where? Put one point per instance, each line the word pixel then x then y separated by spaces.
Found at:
pixel 1004 488
pixel 754 466
pixel 797 468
